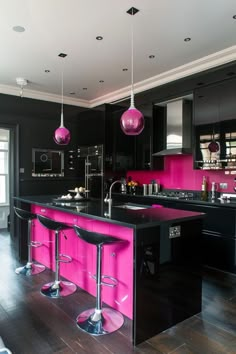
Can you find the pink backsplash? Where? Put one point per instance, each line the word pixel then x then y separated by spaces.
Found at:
pixel 178 173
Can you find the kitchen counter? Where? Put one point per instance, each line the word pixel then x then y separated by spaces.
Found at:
pixel 195 200
pixel 96 209
pixel 158 267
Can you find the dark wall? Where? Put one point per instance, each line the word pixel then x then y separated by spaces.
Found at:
pixel 37 121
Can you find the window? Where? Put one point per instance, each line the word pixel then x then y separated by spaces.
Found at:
pixel 4 168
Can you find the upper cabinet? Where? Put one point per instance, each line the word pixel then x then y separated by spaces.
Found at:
pixel 126 152
pixel 215 126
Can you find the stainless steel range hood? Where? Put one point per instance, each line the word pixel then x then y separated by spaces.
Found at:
pixel 177 139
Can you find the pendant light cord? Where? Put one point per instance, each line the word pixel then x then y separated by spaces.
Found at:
pixel 62 93
pixel 132 62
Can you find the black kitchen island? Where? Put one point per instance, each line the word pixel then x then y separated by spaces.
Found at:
pixel 166 267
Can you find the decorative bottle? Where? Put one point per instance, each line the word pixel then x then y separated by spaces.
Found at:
pixel 204 192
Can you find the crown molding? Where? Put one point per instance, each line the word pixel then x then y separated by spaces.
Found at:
pixel 205 63
pixel 43 96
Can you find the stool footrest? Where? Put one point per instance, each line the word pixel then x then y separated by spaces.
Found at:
pixel 112 285
pixel 35 244
pixel 67 259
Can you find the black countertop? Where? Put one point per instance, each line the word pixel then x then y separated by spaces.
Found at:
pixel 96 208
pixel 153 198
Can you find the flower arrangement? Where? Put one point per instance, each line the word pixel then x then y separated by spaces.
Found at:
pixel 131 186
pixel 132 183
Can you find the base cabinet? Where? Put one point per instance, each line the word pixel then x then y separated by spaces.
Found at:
pixel 219 229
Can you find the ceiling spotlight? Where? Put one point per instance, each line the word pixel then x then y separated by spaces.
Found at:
pixel 62 55
pixel 72 93
pixel 47 71
pixel 151 56
pixel 187 39
pixel 99 38
pixel 18 29
pixel 101 81
pixel 125 69
pixel 21 82
pixel 84 88
pixel 234 17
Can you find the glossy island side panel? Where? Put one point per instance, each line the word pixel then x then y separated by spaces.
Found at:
pixel 117 260
pixel 168 281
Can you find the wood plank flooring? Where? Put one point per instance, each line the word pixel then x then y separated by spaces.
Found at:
pixel 33 324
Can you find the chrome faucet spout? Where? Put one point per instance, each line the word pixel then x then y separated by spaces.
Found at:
pixel 109 200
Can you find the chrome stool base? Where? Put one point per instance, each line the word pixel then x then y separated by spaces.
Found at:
pixel 59 289
pixel 107 322
pixel 30 269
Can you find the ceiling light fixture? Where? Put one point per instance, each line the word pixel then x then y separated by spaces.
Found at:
pixel 22 83
pixel 132 120
pixel 151 56
pixel 18 29
pixel 187 39
pixel 62 134
pixel 99 38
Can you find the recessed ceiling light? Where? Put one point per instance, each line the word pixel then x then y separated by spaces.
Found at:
pixel 85 88
pixel 47 71
pixel 62 55
pixel 18 29
pixel 101 81
pixel 125 69
pixel 187 39
pixel 234 17
pixel 151 56
pixel 99 38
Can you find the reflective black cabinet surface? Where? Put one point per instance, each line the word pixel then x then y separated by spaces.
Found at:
pixel 215 126
pixel 168 278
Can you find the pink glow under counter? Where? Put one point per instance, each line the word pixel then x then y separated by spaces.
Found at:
pixel 117 258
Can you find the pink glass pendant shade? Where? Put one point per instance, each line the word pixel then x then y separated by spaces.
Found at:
pixel 132 121
pixel 62 134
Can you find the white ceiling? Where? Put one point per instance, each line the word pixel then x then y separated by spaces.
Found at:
pixel 71 26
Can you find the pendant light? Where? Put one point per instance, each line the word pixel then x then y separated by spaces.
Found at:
pixel 62 134
pixel 132 120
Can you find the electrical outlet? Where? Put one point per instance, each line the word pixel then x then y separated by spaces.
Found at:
pixel 223 185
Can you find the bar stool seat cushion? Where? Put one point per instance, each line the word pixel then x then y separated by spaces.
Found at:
pixel 95 238
pixel 25 214
pixel 52 224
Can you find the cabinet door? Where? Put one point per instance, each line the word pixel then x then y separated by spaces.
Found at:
pixel 119 148
pixel 143 141
pixel 206 126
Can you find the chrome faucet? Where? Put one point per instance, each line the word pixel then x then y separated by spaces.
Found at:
pixel 108 198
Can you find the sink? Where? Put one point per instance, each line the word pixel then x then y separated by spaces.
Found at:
pixel 130 207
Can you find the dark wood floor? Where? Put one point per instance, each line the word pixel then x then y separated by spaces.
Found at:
pixel 33 324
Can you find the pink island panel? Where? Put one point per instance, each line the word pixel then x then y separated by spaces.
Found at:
pixel 117 259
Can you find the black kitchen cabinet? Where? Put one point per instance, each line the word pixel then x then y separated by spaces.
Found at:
pixel 126 152
pixel 215 120
pixel 219 228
